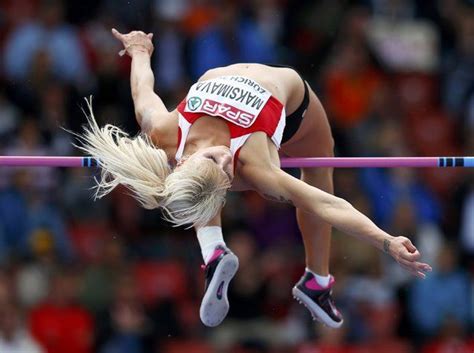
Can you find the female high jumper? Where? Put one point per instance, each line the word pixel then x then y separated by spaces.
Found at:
pixel 225 135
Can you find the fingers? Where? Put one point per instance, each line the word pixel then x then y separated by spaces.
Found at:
pixel 419 266
pixel 423 267
pixel 407 255
pixel 420 275
pixel 122 37
pixel 416 268
pixel 410 256
pixel 427 268
pixel 413 271
pixel 117 34
pixel 409 245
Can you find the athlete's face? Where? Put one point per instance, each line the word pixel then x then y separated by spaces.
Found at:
pixel 220 155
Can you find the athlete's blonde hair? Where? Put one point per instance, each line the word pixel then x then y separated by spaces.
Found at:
pixel 195 192
pixel 132 161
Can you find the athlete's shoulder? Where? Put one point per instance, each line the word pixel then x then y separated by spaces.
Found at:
pixel 164 130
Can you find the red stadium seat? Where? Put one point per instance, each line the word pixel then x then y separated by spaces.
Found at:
pixel 188 347
pixel 416 92
pixel 432 133
pixel 388 347
pixel 453 345
pixel 189 312
pixel 87 239
pixel 394 346
pixel 323 348
pixel 160 280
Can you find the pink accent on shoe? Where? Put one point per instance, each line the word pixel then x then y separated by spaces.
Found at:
pixel 314 285
pixel 215 255
pixel 332 280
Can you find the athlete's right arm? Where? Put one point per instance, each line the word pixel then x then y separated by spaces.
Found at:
pixel 149 108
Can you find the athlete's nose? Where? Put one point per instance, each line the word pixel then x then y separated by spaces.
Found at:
pixel 225 160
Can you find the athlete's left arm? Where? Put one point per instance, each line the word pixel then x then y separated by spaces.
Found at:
pixel 274 184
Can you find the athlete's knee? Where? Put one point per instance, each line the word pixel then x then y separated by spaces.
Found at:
pixel 317 175
pixel 326 149
pixel 331 146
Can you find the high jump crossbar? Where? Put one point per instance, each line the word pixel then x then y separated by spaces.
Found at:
pixel 334 162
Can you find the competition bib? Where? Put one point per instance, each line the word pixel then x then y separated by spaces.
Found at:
pixel 234 98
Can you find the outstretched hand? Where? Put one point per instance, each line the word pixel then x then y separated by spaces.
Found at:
pixel 407 255
pixel 135 41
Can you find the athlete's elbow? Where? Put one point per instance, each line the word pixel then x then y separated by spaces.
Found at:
pixel 143 119
pixel 141 89
pixel 333 208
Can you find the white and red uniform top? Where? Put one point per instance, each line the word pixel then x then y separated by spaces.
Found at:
pixel 246 107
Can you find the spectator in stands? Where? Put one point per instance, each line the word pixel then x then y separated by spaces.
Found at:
pixel 246 320
pixel 14 338
pixel 459 68
pixel 101 277
pixel 53 118
pixel 46 217
pixel 383 323
pixel 13 213
pixel 169 62
pixel 351 83
pixel 33 278
pixel 59 323
pixel 466 223
pixel 271 224
pixel 450 338
pixel 388 188
pixel 29 141
pixel 269 19
pixel 76 204
pixel 125 327
pixel 9 121
pixel 50 33
pixel 442 296
pixel 232 39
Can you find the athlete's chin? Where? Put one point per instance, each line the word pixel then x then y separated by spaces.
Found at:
pixel 226 153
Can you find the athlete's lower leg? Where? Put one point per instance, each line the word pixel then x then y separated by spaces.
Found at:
pixel 220 267
pixel 314 289
pixel 316 233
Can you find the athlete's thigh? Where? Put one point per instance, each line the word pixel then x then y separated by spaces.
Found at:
pixel 314 137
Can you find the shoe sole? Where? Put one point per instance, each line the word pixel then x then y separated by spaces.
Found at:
pixel 214 309
pixel 315 310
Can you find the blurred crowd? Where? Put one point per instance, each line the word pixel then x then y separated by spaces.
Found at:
pixel 396 78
